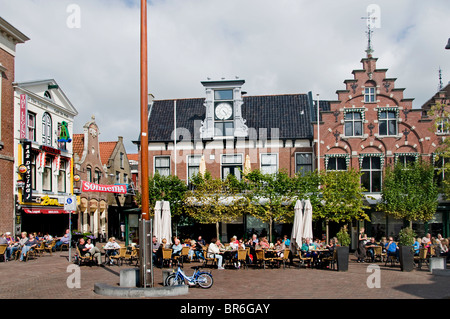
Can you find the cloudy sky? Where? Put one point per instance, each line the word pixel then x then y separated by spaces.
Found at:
pixel 91 48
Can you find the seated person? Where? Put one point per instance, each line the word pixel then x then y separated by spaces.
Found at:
pixel 214 252
pixel 264 243
pixel 391 248
pixel 176 248
pixel 65 239
pixel 416 247
pixel 29 244
pixel 369 248
pixel 111 248
pixel 94 251
pixel 307 249
pixel 279 247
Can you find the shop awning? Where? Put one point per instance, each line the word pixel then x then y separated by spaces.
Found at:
pixel 50 211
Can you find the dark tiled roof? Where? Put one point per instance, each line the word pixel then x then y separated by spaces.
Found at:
pixel 289 113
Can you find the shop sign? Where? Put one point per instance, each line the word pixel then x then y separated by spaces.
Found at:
pixel 27 191
pixel 92 187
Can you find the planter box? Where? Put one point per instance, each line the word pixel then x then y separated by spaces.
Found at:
pixel 406 256
pixel 437 263
pixel 342 254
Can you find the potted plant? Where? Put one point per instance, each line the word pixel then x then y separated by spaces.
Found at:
pixel 342 250
pixel 406 239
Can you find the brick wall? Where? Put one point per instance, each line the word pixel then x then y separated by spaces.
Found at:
pixel 7 138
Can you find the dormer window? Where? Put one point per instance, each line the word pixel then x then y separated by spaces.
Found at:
pixel 369 95
pixel 223 113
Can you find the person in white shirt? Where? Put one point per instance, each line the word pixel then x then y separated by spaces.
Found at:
pixel 214 252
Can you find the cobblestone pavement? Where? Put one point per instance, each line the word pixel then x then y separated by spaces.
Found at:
pixel 48 277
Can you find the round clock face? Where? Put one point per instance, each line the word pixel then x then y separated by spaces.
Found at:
pixel 224 111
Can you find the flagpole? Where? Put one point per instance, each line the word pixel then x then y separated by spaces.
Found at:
pixel 318 136
pixel 144 114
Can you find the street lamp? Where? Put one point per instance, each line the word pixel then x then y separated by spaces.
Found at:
pixel 447 47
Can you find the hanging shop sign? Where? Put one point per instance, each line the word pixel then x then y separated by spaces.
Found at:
pixel 64 135
pixel 92 187
pixel 27 192
pixel 23 116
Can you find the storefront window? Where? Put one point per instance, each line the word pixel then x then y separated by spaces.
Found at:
pixel 378 225
pixel 394 226
pixel 436 225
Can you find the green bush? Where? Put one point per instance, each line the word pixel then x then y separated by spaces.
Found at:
pixel 343 236
pixel 406 237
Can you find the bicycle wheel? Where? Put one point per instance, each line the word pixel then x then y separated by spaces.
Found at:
pixel 205 280
pixel 174 280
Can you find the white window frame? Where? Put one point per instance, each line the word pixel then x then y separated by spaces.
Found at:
pixel 192 166
pixel 261 162
pixel 47 129
pixel 154 165
pixel 312 161
pixel 231 164
pixel 370 94
pixel 387 120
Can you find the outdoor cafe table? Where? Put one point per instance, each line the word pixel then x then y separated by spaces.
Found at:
pixel 319 255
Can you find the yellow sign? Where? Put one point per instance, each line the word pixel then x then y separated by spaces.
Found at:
pixel 47 201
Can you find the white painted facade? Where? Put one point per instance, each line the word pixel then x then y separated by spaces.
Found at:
pixel 49 107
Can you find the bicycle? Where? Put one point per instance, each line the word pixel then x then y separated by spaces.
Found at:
pixel 201 278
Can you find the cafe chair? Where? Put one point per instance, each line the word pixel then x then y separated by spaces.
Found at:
pixel 332 260
pixel 120 256
pixel 3 251
pixel 242 258
pixel 184 256
pixel 261 259
pixel 167 257
pixel 213 260
pixel 86 259
pixel 304 259
pixel 49 248
pixel 421 258
pixel 40 249
pixel 378 253
pixel 283 259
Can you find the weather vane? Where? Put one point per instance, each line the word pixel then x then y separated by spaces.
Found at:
pixel 373 21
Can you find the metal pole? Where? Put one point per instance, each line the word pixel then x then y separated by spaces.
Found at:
pixel 144 114
pixel 175 136
pixel 318 135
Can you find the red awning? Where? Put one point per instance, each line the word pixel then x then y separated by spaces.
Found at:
pixel 50 211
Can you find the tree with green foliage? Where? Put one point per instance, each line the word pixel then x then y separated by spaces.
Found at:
pixel 441 113
pixel 410 192
pixel 342 197
pixel 167 188
pixel 213 200
pixel 270 197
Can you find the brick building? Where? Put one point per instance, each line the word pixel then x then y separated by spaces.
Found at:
pixel 372 125
pixel 225 127
pixel 9 38
pixel 88 167
pixel 118 170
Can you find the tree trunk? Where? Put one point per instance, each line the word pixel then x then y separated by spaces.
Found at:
pixel 217 230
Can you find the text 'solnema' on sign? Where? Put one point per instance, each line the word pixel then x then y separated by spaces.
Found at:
pixel 92 187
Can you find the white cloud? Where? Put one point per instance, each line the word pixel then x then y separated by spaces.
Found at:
pixel 285 46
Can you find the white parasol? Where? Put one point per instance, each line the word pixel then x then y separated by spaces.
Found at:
pixel 166 222
pixel 297 227
pixel 202 167
pixel 307 221
pixel 157 222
